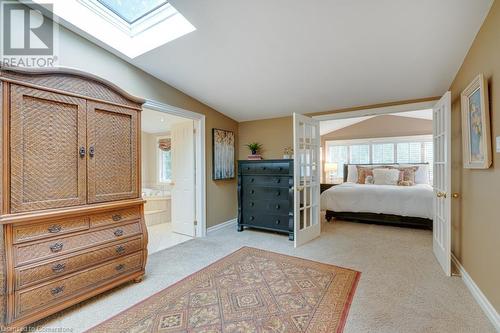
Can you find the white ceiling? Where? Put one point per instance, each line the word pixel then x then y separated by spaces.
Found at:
pixel 262 59
pixel 158 122
pixel 327 126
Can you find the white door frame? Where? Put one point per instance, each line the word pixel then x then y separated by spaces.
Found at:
pixel 200 163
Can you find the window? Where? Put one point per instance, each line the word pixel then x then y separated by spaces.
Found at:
pixel 132 11
pixel 164 160
pixel 413 149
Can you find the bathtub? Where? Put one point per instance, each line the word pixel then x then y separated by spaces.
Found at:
pixel 157 208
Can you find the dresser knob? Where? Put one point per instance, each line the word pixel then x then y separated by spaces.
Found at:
pixel 120 267
pixel 57 290
pixel 252 180
pixel 252 191
pixel 116 217
pixel 118 232
pixel 277 206
pixel 56 247
pixel 278 180
pixel 120 249
pixel 53 229
pixel 278 193
pixel 252 218
pixel 277 221
pixel 58 268
pixel 252 204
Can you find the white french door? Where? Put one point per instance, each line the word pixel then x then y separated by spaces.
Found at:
pixel 183 178
pixel 441 231
pixel 306 145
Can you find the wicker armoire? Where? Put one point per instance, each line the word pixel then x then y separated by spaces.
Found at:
pixel 71 212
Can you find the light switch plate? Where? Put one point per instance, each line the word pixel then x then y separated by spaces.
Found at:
pixel 498 144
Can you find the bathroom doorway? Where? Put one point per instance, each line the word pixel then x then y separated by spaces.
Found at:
pixel 169 173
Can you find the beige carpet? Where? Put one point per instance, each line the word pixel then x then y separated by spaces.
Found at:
pixel 402 288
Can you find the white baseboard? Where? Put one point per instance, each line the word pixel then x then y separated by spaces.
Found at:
pixel 478 295
pixel 222 225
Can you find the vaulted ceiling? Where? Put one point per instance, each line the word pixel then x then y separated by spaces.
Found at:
pixel 262 59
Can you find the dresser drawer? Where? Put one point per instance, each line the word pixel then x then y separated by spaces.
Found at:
pixel 255 192
pixel 258 180
pixel 37 251
pixel 280 168
pixel 29 232
pixel 121 215
pixel 28 275
pixel 40 297
pixel 276 207
pixel 266 220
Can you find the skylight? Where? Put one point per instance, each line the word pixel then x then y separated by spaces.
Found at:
pixel 131 27
pixel 132 11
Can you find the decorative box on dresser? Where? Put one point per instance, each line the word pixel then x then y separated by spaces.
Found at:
pixel 265 195
pixel 71 213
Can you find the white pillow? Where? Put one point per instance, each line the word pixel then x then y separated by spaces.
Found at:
pixel 385 176
pixel 352 173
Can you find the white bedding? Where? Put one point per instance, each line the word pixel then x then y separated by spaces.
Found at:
pixel 414 201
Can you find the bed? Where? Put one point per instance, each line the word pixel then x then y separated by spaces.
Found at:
pixel 409 206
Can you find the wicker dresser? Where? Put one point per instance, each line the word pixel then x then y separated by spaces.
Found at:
pixel 70 208
pixel 265 195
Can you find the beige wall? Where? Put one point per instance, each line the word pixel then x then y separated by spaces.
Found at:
pixel 476 218
pixel 381 127
pixel 79 53
pixel 274 134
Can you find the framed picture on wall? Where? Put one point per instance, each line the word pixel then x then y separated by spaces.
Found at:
pixel 223 143
pixel 476 137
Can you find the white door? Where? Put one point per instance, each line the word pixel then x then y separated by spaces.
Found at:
pixel 442 182
pixel 183 178
pixel 306 143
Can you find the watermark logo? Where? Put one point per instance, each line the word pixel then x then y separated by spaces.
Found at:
pixel 28 37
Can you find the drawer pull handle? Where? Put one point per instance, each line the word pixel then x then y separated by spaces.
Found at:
pixel 120 267
pixel 278 180
pixel 252 191
pixel 278 193
pixel 118 232
pixel 120 249
pixel 56 247
pixel 252 204
pixel 57 290
pixel 277 206
pixel 92 151
pixel 54 228
pixel 82 151
pixel 116 217
pixel 277 221
pixel 58 268
pixel 252 180
pixel 252 218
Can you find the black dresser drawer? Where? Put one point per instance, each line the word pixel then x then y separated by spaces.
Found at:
pixel 272 181
pixel 277 207
pixel 262 192
pixel 281 168
pixel 267 221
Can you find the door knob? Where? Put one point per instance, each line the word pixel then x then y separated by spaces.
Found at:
pixel 455 195
pixel 441 194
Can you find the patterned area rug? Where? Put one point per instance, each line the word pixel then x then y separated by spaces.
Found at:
pixel 250 290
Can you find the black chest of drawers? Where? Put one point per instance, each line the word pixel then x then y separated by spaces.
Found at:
pixel 265 195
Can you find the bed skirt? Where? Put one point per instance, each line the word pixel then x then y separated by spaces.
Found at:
pixel 383 219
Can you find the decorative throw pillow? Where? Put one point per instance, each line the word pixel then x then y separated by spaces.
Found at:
pixel 386 176
pixel 369 180
pixel 405 183
pixel 407 175
pixel 363 172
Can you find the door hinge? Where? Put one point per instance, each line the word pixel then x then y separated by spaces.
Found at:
pixel 194 130
pixel 195 222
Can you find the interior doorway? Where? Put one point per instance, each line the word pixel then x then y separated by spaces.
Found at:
pixel 172 185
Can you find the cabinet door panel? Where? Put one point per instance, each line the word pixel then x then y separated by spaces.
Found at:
pixel 47 131
pixel 113 135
